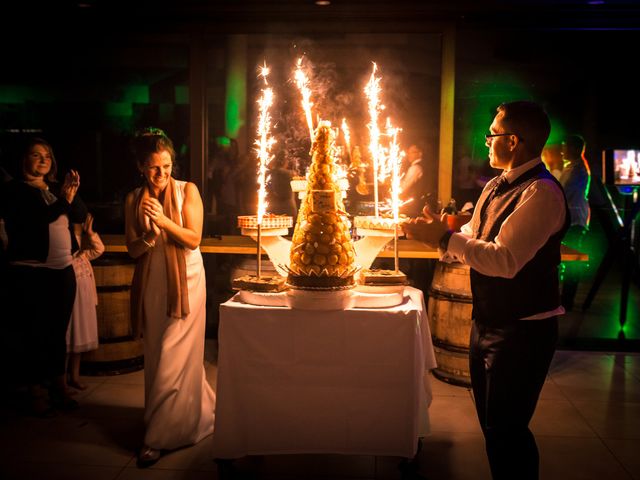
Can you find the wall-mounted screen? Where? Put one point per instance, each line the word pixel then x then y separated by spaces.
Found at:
pixel 621 166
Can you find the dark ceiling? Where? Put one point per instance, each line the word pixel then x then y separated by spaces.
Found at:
pixel 346 15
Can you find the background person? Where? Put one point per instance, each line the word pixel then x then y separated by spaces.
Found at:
pixel 163 222
pixel 281 199
pixel 82 334
pixel 575 179
pixel 512 245
pixel 412 182
pixel 552 158
pixel 38 215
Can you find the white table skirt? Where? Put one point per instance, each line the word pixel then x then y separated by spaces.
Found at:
pixel 298 381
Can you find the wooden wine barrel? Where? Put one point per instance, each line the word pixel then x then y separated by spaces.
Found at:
pixel 118 351
pixel 450 322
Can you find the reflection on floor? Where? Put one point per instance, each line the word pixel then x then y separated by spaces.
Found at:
pixel 587 425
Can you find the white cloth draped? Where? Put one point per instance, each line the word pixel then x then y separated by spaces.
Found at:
pixel 343 381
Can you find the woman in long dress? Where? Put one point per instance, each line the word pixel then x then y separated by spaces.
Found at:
pixel 163 232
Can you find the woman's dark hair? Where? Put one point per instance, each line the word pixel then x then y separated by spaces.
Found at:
pixel 150 140
pixel 53 172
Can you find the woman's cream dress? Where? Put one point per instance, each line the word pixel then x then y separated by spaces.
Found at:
pixel 179 403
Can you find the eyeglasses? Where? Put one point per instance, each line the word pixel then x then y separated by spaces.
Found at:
pixel 490 136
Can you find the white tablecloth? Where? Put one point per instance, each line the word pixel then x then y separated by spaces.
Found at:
pixel 298 381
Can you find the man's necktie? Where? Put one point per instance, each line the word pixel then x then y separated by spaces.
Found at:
pixel 499 187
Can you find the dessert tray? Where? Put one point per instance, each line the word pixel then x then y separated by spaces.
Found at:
pixel 370 225
pixel 263 299
pixel 320 300
pixel 386 299
pixel 272 225
pixel 264 283
pixel 383 278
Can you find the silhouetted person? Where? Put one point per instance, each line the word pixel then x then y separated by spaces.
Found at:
pixel 412 183
pixel 575 179
pixel 280 197
pixel 552 158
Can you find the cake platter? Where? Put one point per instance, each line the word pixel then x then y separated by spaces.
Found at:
pixel 379 288
pixel 365 298
pixel 372 226
pixel 271 225
pixel 320 299
pixel 263 299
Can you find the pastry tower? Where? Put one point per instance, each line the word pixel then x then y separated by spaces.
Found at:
pixel 322 253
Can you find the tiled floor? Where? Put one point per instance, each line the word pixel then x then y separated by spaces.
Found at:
pixel 587 425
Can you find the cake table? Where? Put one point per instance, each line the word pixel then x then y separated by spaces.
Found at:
pixel 297 381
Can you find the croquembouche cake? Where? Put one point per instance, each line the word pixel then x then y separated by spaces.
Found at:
pixel 322 253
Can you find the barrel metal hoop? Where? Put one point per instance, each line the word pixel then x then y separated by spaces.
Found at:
pixel 113 288
pixel 448 347
pixel 449 296
pixel 124 338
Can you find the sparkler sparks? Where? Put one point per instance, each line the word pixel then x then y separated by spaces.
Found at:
pixel 347 136
pixel 302 81
pixel 395 159
pixel 263 143
pixel 372 91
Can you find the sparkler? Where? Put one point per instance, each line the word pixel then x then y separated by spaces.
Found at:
pixel 340 177
pixel 302 81
pixel 372 91
pixel 263 143
pixel 395 159
pixel 347 137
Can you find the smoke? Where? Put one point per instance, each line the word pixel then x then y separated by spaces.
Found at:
pixel 337 77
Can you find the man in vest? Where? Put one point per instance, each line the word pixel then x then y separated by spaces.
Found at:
pixel 512 246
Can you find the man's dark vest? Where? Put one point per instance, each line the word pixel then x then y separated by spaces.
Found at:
pixel 535 288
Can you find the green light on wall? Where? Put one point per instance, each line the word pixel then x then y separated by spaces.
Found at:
pixel 119 109
pixel 223 141
pixel 483 96
pixel 182 94
pixel 558 132
pixel 236 91
pixel 136 94
pixel 235 102
pixel 13 94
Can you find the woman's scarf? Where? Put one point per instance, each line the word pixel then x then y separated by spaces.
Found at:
pixel 177 291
